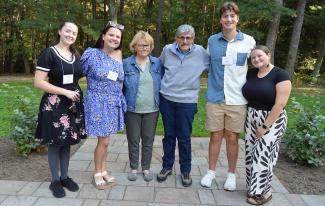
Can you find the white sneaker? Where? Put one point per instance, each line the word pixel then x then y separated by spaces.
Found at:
pixel 206 181
pixel 230 184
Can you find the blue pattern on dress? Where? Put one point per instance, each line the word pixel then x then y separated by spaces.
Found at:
pixel 104 100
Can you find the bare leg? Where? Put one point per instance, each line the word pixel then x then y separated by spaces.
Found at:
pixel 101 154
pixel 105 156
pixel 214 148
pixel 232 149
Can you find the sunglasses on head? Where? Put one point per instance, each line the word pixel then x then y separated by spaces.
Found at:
pixel 115 25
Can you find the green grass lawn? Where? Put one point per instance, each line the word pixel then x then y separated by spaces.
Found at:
pixel 10 90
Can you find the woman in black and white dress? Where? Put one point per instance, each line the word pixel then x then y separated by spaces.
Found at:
pixel 61 111
pixel 267 91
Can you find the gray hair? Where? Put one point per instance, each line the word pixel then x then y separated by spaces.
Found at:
pixel 185 28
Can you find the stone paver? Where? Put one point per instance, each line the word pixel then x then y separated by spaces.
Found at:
pixel 144 194
pixel 88 191
pixel 122 203
pixel 314 200
pixel 2 197
pixel 50 201
pixel 11 187
pixel 279 199
pixel 295 200
pixel 79 165
pixel 141 193
pixel 117 193
pixel 29 188
pixel 230 198
pixel 172 195
pixel 19 201
pixel 91 202
pixel 206 196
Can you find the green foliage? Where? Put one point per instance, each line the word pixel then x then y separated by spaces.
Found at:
pixel 305 140
pixel 23 119
pixel 303 73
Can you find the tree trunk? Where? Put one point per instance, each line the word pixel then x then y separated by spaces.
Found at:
pixel 94 8
pixel 121 11
pixel 273 30
pixel 26 62
pixel 319 60
pixel 8 63
pixel 158 29
pixel 113 10
pixel 148 12
pixel 295 38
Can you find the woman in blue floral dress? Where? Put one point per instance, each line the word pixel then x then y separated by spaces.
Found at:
pixel 61 111
pixel 104 101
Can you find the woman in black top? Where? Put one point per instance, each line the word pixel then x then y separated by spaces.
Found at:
pixel 267 91
pixel 61 112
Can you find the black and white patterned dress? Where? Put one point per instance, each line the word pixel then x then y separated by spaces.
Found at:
pixel 60 120
pixel 261 154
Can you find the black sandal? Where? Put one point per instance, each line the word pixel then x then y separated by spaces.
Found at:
pixel 258 199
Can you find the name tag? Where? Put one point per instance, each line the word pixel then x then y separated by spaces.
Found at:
pixel 112 75
pixel 68 79
pixel 227 61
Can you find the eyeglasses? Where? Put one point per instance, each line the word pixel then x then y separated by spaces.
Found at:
pixel 115 25
pixel 143 46
pixel 185 38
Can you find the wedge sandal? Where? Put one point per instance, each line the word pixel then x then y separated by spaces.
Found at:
pixel 110 181
pixel 98 181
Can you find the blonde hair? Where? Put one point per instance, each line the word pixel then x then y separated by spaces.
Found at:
pixel 141 35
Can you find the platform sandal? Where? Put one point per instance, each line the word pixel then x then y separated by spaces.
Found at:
pixel 109 180
pixel 99 181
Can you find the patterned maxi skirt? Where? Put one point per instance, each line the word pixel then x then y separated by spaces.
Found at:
pixel 261 154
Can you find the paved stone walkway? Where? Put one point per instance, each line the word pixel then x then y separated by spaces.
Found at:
pixel 141 193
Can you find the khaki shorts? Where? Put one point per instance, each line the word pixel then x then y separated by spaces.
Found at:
pixel 221 116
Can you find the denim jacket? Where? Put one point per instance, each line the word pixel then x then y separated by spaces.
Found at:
pixel 131 80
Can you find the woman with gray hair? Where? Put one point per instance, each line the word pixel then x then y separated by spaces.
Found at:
pixel 141 90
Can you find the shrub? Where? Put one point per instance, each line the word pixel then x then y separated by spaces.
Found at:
pixel 305 140
pixel 23 122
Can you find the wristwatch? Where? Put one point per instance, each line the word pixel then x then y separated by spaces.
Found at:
pixel 265 127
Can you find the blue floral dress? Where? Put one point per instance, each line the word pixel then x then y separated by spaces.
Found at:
pixel 104 100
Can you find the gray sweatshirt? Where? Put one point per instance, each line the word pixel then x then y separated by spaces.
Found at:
pixel 181 79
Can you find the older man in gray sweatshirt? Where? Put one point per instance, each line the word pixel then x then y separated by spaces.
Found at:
pixel 183 63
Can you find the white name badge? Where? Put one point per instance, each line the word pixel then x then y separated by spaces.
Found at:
pixel 227 61
pixel 68 79
pixel 112 75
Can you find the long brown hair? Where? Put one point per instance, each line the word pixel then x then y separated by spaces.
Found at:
pixel 72 47
pixel 100 42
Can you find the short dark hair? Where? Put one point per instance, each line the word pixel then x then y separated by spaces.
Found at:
pixel 100 42
pixel 229 6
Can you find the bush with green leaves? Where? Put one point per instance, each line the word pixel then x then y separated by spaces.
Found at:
pixel 305 140
pixel 23 121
